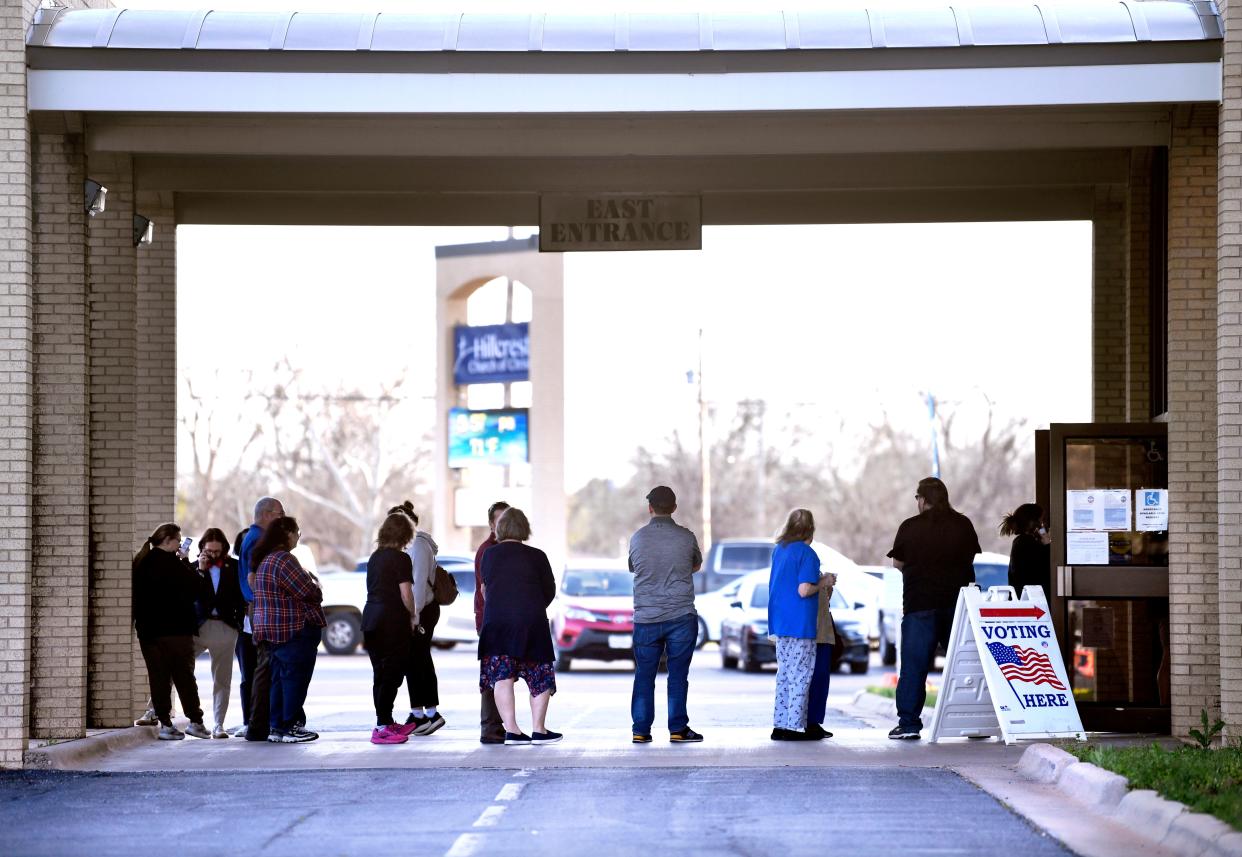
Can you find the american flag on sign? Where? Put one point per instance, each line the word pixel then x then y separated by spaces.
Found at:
pixel 1028 665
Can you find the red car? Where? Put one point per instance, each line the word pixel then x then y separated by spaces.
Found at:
pixel 593 616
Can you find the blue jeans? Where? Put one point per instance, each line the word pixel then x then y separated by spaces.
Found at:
pixel 817 699
pixel 674 639
pixel 921 631
pixel 293 663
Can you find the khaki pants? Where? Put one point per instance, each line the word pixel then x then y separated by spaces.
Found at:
pixel 218 638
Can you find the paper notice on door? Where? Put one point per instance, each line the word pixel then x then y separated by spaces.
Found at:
pixel 1116 510
pixel 1086 548
pixel 1151 510
pixel 1084 510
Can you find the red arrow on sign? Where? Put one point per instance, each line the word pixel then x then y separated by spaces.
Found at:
pixel 1012 612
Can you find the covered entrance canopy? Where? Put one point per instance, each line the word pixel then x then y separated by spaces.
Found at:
pixel 1105 112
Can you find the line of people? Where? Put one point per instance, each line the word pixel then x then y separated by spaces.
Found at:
pixel 265 609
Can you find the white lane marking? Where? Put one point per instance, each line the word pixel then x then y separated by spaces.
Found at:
pixel 490 816
pixel 525 772
pixel 466 845
pixel 510 791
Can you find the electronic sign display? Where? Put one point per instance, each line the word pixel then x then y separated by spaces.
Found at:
pixel 488 437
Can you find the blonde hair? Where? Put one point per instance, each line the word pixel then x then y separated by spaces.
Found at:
pixel 512 525
pixel 799 527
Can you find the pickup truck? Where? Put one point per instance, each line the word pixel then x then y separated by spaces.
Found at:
pixel 345 593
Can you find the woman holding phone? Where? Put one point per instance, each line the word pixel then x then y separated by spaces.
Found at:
pixel 1030 557
pixel 164 592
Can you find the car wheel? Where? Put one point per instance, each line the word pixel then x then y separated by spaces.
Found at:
pixel 858 668
pixel 342 634
pixel 726 662
pixel 702 638
pixel 748 662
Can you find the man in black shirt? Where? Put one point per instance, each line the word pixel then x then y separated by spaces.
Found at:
pixel 935 553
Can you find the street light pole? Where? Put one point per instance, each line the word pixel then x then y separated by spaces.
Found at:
pixel 705 456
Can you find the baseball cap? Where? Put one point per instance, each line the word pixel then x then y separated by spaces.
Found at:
pixel 662 496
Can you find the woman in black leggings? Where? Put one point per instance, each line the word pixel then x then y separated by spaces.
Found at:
pixel 387 623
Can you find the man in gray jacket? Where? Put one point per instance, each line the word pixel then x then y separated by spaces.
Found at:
pixel 663 556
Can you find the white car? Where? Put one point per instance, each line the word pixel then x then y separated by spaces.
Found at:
pixel 861 591
pixel 712 608
pixel 345 594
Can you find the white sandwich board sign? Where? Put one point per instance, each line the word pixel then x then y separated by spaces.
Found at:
pixel 1003 674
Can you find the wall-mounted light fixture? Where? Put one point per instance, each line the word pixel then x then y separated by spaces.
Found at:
pixel 96 196
pixel 144 230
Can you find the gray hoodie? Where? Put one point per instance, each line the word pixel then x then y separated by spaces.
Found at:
pixel 422 552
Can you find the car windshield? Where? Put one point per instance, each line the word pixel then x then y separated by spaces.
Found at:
pixel 591 584
pixel 745 557
pixel 760 598
pixel 465 581
pixel 991 574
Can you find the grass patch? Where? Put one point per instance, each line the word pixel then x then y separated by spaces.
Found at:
pixel 891 693
pixel 1205 780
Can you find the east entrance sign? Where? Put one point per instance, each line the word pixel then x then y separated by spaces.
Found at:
pixel 570 222
pixel 1003 673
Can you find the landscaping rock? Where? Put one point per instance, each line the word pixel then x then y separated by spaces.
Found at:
pixel 1195 833
pixel 1147 813
pixel 1044 763
pixel 1093 786
pixel 1229 845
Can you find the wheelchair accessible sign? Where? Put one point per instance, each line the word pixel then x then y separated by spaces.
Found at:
pixel 1004 676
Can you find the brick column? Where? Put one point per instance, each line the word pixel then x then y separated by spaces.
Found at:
pixel 16 388
pixel 115 671
pixel 61 564
pixel 1194 637
pixel 156 392
pixel 1108 301
pixel 1229 373
pixel 1138 288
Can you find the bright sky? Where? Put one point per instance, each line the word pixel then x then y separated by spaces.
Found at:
pixel 827 323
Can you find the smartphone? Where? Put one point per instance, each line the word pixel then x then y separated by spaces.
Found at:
pixel 185 545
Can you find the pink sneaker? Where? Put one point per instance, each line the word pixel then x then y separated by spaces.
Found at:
pixel 405 730
pixel 387 735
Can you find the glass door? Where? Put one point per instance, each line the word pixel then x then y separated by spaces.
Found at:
pixel 1108 511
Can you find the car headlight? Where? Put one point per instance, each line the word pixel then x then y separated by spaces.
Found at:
pixel 759 629
pixel 579 613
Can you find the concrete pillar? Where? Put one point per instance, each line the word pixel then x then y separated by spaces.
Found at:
pixel 1229 373
pixel 1109 247
pixel 61 566
pixel 1138 288
pixel 115 668
pixel 1194 637
pixel 156 370
pixel 459 272
pixel 16 388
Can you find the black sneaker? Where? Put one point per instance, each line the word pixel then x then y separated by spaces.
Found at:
pixel 301 735
pixel 817 732
pixel 548 737
pixel 903 733
pixel 519 740
pixel 779 734
pixel 430 724
pixel 640 738
pixel 685 736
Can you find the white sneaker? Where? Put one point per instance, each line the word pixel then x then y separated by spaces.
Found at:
pixel 219 732
pixel 148 719
pixel 171 733
pixel 240 731
pixel 198 730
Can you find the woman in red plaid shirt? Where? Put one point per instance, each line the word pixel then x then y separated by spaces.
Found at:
pixel 288 618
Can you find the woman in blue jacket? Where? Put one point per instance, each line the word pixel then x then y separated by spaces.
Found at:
pixel 793 601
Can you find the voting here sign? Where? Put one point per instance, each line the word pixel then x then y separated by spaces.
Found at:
pixel 1005 647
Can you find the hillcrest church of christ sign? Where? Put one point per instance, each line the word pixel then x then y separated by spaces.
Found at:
pixel 572 222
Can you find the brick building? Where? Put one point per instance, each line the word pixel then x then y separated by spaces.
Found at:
pixel 1125 114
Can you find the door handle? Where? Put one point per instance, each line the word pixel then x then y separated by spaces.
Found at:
pixel 1065 581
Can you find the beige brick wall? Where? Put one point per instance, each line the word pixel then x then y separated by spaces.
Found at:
pixel 116 685
pixel 1108 300
pixel 61 568
pixel 1229 374
pixel 1194 634
pixel 16 388
pixel 156 393
pixel 1138 287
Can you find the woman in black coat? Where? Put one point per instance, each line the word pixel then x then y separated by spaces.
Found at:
pixel 164 592
pixel 515 641
pixel 1030 558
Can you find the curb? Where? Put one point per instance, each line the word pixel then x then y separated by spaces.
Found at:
pixel 73 754
pixel 1170 824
